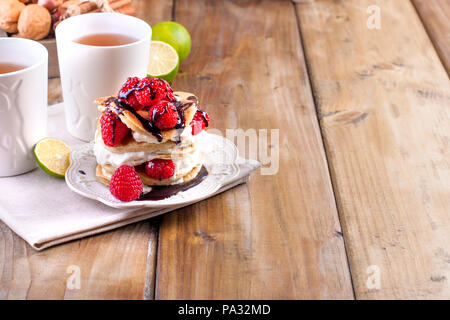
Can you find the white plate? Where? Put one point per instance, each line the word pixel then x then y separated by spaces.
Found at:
pixel 220 160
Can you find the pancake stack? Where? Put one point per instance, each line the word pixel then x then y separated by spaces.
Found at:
pixel 145 142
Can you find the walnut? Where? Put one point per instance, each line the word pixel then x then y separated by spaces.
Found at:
pixel 34 22
pixel 9 14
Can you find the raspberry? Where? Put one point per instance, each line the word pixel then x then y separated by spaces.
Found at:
pixel 113 130
pixel 160 169
pixel 199 122
pixel 151 90
pixel 125 184
pixel 128 94
pixel 164 115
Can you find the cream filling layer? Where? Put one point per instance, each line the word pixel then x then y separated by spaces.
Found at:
pixel 183 165
pixel 186 137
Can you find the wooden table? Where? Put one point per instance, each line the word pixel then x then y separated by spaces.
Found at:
pixel 360 205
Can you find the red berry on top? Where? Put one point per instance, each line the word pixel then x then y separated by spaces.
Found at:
pixel 113 130
pixel 125 184
pixel 151 90
pixel 128 94
pixel 164 115
pixel 160 169
pixel 199 122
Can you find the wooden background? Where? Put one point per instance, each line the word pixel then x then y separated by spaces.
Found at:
pixel 363 187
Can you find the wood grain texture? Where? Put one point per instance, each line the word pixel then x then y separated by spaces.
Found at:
pixel 383 98
pixel 54 91
pixel 277 236
pixel 153 11
pixel 111 266
pixel 435 15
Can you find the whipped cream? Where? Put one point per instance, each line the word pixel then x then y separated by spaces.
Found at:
pixel 183 165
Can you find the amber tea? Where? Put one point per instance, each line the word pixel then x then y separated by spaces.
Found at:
pixel 10 67
pixel 105 39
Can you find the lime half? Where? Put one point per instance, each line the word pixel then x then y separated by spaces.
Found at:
pixel 164 61
pixel 52 156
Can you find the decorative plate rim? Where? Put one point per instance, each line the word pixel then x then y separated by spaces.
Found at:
pixel 79 154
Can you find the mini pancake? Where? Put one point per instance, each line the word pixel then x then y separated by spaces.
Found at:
pixel 193 160
pixel 145 178
pixel 132 122
pixel 131 145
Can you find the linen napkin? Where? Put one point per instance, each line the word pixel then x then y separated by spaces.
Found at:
pixel 45 212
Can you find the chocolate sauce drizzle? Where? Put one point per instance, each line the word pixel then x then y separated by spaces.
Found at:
pixel 202 113
pixel 114 123
pixel 121 104
pixel 137 87
pixel 163 192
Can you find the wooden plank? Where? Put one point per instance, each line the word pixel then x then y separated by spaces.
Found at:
pixel 115 265
pixel 153 11
pixel 435 15
pixel 383 96
pixel 278 236
pixel 54 91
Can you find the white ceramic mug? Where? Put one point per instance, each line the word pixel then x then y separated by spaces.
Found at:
pixel 23 104
pixel 88 72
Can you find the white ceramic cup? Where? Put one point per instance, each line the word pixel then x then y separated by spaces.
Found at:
pixel 23 104
pixel 89 72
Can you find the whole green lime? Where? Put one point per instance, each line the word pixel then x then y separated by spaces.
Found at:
pixel 174 34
